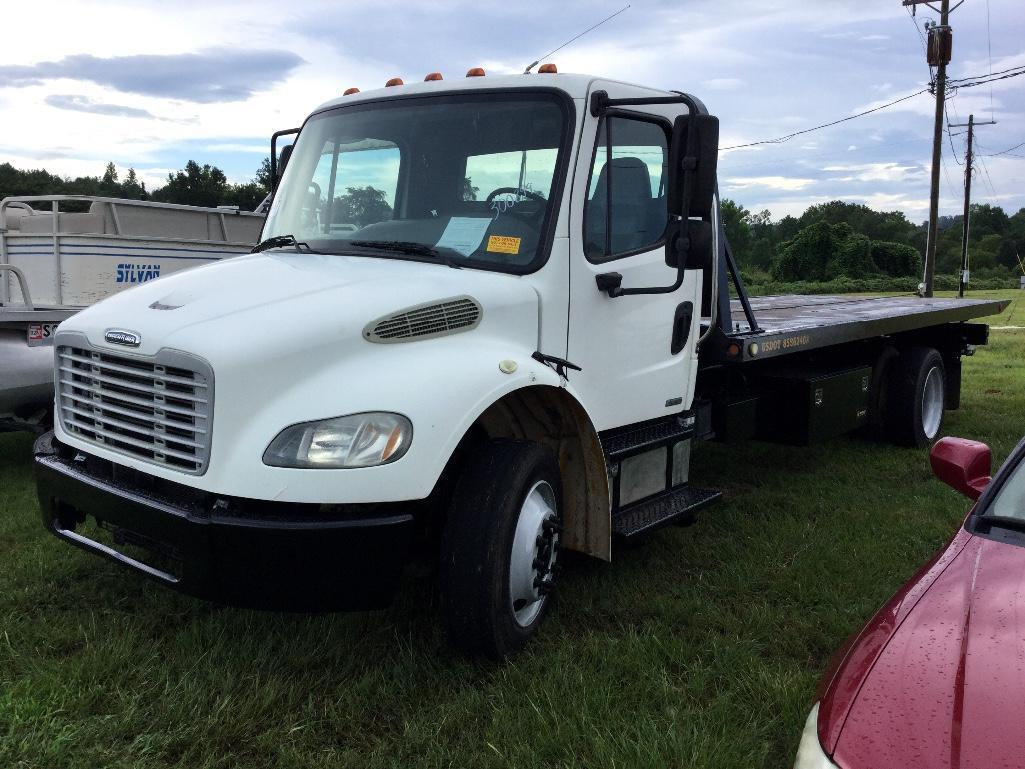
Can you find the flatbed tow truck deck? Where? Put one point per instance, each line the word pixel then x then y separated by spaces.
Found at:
pixel 789 324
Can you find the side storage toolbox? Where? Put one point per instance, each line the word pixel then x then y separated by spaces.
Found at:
pixel 804 407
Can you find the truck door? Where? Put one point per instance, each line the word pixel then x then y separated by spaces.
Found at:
pixel 636 353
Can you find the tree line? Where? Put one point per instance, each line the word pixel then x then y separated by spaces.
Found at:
pixel 193 185
pixel 850 240
pixel 828 241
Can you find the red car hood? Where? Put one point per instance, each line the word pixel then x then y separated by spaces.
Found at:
pixel 948 689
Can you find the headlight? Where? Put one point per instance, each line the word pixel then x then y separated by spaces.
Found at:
pixel 810 754
pixel 357 440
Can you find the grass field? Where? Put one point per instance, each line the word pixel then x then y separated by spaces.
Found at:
pixel 700 648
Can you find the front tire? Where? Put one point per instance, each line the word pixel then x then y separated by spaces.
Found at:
pixel 916 397
pixel 499 548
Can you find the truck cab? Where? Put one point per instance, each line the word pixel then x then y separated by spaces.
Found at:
pixel 474 322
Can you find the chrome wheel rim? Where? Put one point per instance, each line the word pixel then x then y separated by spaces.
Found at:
pixel 534 550
pixel 932 403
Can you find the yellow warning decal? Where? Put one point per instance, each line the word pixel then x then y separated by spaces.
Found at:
pixel 503 244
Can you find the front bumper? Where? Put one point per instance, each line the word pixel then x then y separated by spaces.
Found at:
pixel 235 551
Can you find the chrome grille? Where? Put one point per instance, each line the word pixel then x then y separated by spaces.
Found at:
pixel 435 319
pixel 155 408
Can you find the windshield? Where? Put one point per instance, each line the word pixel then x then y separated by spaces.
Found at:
pixel 467 178
pixel 1010 500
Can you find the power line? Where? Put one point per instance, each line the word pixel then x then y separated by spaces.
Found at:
pixel 989 179
pixel 1007 151
pixel 955 85
pixel 989 50
pixel 991 74
pixel 950 136
pixel 788 137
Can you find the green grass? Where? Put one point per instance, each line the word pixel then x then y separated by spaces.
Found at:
pixel 700 648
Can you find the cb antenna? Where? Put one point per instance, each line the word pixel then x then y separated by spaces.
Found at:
pixel 589 29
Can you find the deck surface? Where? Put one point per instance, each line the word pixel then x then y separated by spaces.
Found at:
pixel 792 323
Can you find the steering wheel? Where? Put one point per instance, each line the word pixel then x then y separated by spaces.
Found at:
pixel 515 191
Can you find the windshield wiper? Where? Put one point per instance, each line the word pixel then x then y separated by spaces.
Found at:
pixel 1004 522
pixel 406 247
pixel 280 241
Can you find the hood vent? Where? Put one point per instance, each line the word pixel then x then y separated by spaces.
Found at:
pixel 425 321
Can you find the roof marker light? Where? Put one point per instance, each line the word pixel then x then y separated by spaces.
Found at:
pixel 350 91
pixel 394 81
pixel 433 76
pixel 548 69
pixel 475 72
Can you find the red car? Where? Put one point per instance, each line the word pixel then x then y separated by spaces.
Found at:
pixel 936 680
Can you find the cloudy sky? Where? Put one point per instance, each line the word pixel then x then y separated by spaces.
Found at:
pixel 154 84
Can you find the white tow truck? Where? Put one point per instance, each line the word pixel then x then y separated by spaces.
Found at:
pixel 60 253
pixel 491 315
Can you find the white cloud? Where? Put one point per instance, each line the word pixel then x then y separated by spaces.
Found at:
pixel 875 172
pixel 787 183
pixel 723 84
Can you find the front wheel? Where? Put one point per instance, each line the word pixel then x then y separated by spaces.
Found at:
pixel 499 548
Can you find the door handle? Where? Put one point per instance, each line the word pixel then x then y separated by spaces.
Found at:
pixel 681 326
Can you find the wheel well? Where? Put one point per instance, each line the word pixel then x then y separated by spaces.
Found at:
pixel 552 417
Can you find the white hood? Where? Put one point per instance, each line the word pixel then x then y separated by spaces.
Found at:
pixel 242 304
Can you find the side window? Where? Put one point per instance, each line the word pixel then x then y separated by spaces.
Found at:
pixel 625 210
pixel 529 170
pixel 354 185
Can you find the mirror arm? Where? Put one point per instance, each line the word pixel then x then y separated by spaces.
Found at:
pixel 612 282
pixel 274 155
pixel 601 103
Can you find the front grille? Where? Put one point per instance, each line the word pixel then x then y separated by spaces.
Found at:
pixel 436 319
pixel 156 408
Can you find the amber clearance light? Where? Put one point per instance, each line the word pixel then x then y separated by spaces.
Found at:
pixel 433 76
pixel 475 72
pixel 394 81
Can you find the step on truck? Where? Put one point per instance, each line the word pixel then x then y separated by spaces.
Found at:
pixel 489 319
pixel 60 253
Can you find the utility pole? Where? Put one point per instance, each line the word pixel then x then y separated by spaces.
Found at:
pixel 962 279
pixel 938 55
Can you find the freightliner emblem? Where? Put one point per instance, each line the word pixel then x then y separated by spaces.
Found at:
pixel 119 336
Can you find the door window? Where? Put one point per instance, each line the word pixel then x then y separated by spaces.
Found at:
pixel 354 185
pixel 626 212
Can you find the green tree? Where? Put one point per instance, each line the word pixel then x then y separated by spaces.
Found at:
pixel 132 188
pixel 822 251
pixel 853 253
pixel 195 185
pixel 246 196
pixel 361 206
pixel 896 259
pixel 738 231
pixel 263 176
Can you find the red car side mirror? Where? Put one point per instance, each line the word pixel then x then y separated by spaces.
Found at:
pixel 962 464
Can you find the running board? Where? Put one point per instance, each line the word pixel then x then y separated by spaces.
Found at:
pixel 677 506
pixel 641 439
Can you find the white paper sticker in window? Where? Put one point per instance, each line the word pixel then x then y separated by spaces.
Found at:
pixel 464 234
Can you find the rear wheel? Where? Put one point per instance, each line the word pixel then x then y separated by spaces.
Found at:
pixel 499 548
pixel 916 397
